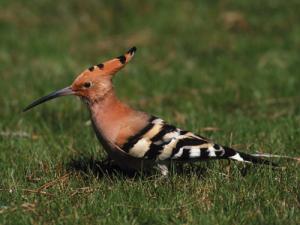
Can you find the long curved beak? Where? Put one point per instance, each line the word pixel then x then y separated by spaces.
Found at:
pixel 55 94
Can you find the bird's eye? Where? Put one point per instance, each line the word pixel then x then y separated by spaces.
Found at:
pixel 87 84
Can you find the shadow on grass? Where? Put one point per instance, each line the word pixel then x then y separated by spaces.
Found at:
pixel 98 168
pixel 104 168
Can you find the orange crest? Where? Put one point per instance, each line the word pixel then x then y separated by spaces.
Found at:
pixel 112 66
pixel 96 81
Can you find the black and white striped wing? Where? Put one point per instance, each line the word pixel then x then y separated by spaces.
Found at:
pixel 161 141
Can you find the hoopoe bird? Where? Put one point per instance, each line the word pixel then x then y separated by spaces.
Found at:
pixel 135 140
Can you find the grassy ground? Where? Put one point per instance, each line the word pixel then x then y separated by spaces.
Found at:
pixel 229 65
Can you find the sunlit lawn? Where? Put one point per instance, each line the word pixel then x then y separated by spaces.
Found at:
pixel 228 70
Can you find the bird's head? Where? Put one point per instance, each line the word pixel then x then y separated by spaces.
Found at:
pixel 93 83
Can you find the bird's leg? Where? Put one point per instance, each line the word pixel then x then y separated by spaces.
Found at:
pixel 228 168
pixel 163 168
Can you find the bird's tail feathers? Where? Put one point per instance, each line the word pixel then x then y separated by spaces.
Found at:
pixel 244 157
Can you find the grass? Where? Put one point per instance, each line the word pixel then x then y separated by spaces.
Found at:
pixel 230 65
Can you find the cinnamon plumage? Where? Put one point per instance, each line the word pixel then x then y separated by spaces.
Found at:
pixel 134 139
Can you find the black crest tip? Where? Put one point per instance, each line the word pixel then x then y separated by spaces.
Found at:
pixel 132 50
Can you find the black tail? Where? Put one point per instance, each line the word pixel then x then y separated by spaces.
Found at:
pixel 243 157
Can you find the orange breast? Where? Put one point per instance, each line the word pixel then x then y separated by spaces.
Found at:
pixel 116 121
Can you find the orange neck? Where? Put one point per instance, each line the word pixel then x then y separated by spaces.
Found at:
pixel 116 121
